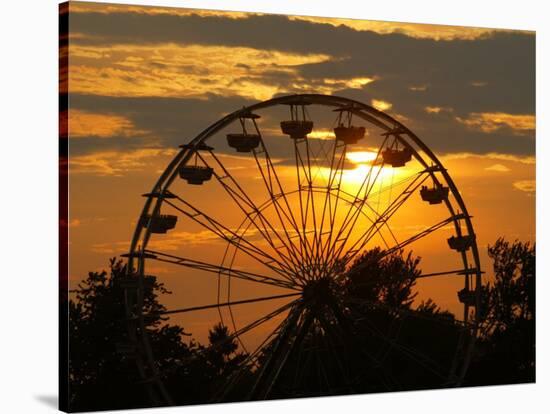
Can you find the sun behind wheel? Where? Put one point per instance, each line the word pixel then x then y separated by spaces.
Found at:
pixel 289 221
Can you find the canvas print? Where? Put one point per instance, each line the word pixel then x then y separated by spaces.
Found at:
pixel 258 207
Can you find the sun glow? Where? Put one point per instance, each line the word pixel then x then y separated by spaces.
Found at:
pixel 356 180
pixel 361 157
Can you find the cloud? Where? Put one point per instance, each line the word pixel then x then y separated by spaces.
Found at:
pixel 111 247
pixel 85 7
pixel 529 160
pixel 420 31
pixel 490 121
pixel 177 70
pixel 89 124
pixel 172 241
pixel 529 186
pixel 430 31
pixel 212 64
pixel 380 104
pixel 176 239
pixel 437 109
pixel 497 168
pixel 499 59
pixel 187 70
pixel 116 163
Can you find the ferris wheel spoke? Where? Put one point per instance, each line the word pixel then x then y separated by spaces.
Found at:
pixel 276 193
pixel 384 214
pixel 423 233
pixel 230 338
pixel 304 207
pixel 220 270
pixel 351 342
pixel 248 363
pixel 249 327
pixel 318 245
pixel 254 214
pixel 302 328
pixel 413 355
pixel 461 272
pixel 407 312
pixel 381 221
pixel 290 336
pixel 334 208
pixel 311 199
pixel 233 238
pixel 303 171
pixel 327 244
pixel 399 246
pixel 333 342
pixel 392 185
pixel 365 184
pixel 224 304
pixel 318 222
pixel 335 170
pixel 276 348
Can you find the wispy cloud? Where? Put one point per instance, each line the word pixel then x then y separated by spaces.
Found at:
pixel 437 109
pixel 498 168
pixel 528 186
pixel 89 124
pixel 111 248
pixel 493 121
pixel 116 163
pixel 490 156
pixel 422 31
pixel 380 104
pixel 175 70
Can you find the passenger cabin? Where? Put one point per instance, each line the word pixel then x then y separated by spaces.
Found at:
pixel 434 195
pixel 467 297
pixel 460 243
pixel 160 223
pixel 195 174
pixel 297 129
pixel 243 142
pixel 397 157
pixel 349 134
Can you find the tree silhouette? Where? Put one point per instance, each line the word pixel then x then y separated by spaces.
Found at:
pixel 102 376
pixel 365 334
pixel 506 351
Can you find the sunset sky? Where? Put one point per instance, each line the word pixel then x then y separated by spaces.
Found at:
pixel 144 80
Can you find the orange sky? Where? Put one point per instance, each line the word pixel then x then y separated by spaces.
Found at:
pixel 134 100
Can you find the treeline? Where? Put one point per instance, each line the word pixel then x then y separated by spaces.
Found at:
pixel 368 338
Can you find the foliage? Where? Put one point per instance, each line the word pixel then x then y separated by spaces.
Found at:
pixel 506 351
pixel 368 333
pixel 102 378
pixel 387 279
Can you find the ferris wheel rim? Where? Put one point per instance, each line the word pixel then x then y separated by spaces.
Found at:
pixel 370 114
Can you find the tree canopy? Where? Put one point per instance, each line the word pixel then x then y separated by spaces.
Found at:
pixel 368 334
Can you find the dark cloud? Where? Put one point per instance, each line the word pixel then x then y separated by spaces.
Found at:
pixel 173 121
pixel 495 73
pixel 504 60
pixel 169 121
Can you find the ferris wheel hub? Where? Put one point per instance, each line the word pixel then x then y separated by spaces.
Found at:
pixel 319 292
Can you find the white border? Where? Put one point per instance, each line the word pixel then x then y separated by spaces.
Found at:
pixel 28 294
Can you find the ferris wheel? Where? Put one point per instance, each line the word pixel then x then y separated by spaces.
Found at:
pixel 260 218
